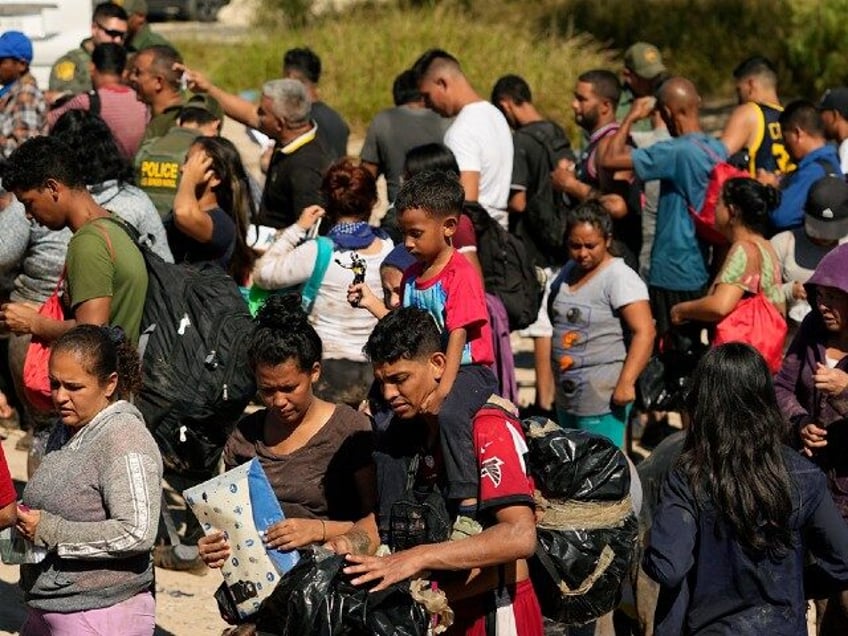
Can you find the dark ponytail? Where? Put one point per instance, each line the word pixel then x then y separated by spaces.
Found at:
pixel 752 202
pixel 106 350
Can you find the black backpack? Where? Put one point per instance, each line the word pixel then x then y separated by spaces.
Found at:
pixel 545 211
pixel 420 515
pixel 508 272
pixel 193 346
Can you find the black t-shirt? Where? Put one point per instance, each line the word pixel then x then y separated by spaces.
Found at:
pixel 218 250
pixel 531 165
pixel 293 183
pixel 331 128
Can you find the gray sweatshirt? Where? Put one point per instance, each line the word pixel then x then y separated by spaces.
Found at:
pixel 99 494
pixel 136 208
pixel 30 254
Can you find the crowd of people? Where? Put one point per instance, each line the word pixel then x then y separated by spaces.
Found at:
pixel 380 339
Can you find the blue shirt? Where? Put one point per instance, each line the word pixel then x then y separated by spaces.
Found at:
pixel 683 169
pixel 796 185
pixel 709 584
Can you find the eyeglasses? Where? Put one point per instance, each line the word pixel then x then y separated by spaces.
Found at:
pixel 112 33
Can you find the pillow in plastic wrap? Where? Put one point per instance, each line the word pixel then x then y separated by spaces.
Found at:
pixel 242 504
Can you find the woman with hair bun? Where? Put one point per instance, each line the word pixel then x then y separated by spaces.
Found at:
pixel 593 299
pixel 751 266
pixel 350 193
pixel 92 505
pixel 317 455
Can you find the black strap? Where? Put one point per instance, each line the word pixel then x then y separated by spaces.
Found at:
pixel 94 102
pixel 541 137
pixel 412 472
pixel 828 168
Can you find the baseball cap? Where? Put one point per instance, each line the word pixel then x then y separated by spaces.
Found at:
pixel 835 99
pixel 645 60
pixel 15 45
pixel 826 209
pixel 203 101
pixel 133 6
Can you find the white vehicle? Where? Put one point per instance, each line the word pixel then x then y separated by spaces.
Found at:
pixel 54 26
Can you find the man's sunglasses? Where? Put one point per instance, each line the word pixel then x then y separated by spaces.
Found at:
pixel 112 33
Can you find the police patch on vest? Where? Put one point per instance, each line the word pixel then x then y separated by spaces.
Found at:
pixel 65 70
pixel 159 174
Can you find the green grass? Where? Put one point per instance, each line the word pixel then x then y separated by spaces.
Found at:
pixel 363 50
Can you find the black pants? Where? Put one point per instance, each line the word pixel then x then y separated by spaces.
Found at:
pixel 471 390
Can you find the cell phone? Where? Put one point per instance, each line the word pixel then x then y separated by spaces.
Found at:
pixel 313 231
pixel 184 81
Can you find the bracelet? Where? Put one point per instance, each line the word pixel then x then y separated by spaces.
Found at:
pixel 323 531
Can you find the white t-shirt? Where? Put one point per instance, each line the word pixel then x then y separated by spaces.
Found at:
pixel 343 329
pixel 480 139
pixel 843 156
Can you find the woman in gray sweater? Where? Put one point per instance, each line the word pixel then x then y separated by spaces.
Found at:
pixel 93 503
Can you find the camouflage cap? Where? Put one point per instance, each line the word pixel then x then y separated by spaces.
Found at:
pixel 133 6
pixel 203 101
pixel 644 60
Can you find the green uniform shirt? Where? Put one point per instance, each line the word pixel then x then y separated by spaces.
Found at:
pixel 98 267
pixel 157 166
pixel 624 104
pixel 160 124
pixel 145 37
pixel 70 73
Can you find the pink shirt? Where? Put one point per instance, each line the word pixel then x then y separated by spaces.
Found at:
pixel 119 108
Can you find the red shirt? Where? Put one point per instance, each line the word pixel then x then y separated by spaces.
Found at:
pixel 500 447
pixel 7 488
pixel 455 299
pixel 464 237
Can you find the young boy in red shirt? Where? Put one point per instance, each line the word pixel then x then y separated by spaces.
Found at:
pixel 446 285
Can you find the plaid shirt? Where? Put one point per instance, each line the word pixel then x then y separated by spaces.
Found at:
pixel 23 114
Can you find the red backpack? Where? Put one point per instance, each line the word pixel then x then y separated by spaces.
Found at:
pixel 704 219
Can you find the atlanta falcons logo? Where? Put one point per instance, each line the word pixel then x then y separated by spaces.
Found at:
pixel 491 468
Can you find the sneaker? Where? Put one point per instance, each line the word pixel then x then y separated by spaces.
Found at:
pixel 179 559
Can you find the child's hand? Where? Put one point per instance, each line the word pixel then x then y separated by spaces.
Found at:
pixel 360 295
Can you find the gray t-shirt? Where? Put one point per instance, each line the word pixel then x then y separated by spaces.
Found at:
pixel 588 343
pixel 396 131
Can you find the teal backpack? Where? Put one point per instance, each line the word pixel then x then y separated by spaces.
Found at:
pixel 256 296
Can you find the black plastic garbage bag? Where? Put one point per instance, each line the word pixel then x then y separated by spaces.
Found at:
pixel 316 598
pixel 588 534
pixel 576 465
